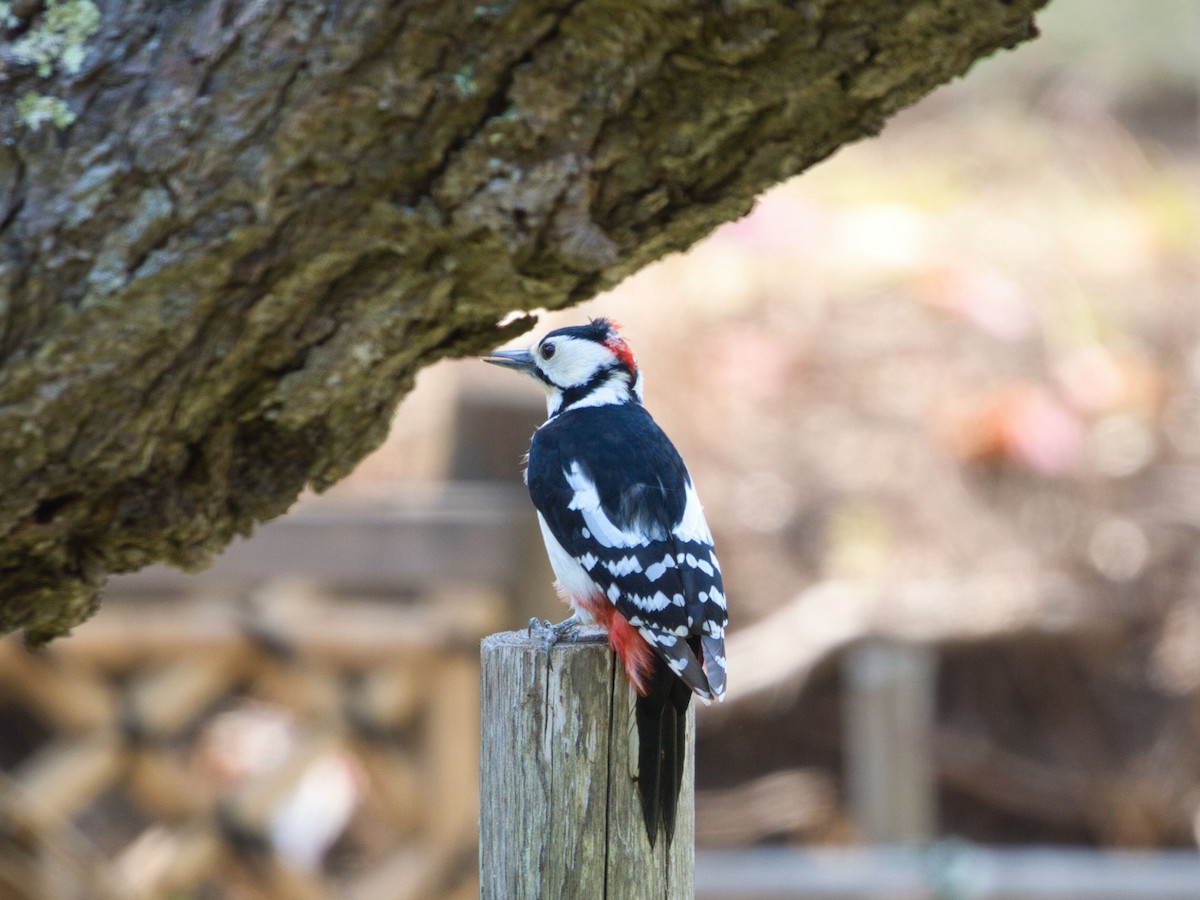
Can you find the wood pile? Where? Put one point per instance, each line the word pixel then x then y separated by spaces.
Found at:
pixel 298 746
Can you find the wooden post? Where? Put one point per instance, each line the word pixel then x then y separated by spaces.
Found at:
pixel 559 812
pixel 889 708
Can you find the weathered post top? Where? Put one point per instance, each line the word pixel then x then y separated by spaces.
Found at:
pixel 559 810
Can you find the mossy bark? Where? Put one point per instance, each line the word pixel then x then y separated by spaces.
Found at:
pixel 239 229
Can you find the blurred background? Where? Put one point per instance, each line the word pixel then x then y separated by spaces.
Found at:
pixel 939 396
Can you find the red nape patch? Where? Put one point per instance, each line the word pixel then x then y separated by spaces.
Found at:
pixel 635 654
pixel 617 345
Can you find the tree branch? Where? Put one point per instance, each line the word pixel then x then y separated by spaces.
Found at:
pixel 231 233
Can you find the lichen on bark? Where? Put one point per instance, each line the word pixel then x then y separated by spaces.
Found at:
pixel 218 280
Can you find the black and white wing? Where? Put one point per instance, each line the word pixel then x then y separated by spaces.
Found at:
pixel 616 496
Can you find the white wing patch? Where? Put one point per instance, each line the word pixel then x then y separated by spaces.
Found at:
pixel 692 528
pixel 603 531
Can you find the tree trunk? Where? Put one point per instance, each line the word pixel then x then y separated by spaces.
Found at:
pixel 232 232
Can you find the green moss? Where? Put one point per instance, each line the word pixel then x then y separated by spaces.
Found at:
pixel 37 109
pixel 57 41
pixel 59 38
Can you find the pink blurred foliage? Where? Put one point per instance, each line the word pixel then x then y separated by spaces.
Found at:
pixel 1020 422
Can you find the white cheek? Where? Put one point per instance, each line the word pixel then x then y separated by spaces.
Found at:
pixel 576 361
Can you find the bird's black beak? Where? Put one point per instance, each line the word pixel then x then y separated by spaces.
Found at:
pixel 521 360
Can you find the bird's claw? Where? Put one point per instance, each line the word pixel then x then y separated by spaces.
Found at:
pixel 551 633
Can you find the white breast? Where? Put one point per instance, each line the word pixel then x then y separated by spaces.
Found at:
pixel 573 579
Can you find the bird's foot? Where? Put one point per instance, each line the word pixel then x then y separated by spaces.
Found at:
pixel 549 633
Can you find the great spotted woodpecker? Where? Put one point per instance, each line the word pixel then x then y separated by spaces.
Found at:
pixel 627 540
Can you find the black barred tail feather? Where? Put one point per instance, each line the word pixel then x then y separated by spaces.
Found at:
pixel 661 718
pixel 714 664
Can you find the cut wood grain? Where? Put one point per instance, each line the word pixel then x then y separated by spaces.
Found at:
pixel 559 811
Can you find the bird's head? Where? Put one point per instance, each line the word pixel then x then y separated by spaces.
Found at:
pixel 582 365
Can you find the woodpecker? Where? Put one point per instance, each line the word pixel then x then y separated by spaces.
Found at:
pixel 628 541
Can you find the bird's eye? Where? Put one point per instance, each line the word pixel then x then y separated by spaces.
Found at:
pixel 547 351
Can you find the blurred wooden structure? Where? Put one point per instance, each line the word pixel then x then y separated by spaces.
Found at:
pixel 362 666
pixel 894 752
pixel 402 543
pixel 889 714
pixel 560 815
pixel 383 699
pixel 949 869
